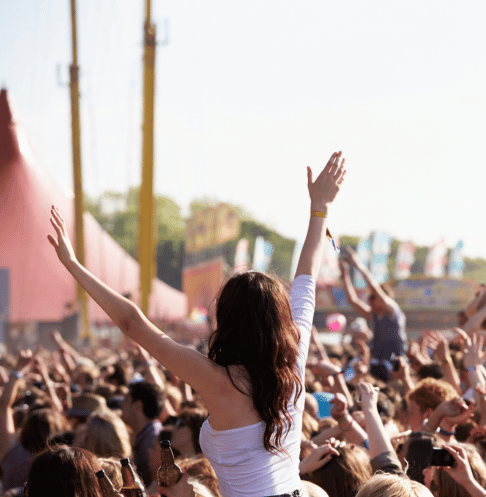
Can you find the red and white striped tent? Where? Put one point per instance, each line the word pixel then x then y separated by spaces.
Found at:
pixel 40 289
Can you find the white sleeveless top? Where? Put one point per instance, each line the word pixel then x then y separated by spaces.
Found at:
pixel 243 466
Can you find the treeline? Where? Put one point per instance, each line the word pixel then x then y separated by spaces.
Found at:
pixel 117 213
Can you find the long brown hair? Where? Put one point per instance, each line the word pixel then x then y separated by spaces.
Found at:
pixel 344 474
pixel 255 329
pixel 64 472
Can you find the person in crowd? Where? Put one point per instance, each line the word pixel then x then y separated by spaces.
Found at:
pixel 185 433
pixel 252 380
pixel 106 435
pixel 18 447
pixel 390 485
pixel 63 472
pixel 387 320
pixel 141 409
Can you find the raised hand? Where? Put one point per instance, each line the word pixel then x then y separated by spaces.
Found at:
pixel 474 355
pixel 461 472
pixel 24 359
pixel 326 186
pixel 319 457
pixel 339 406
pixel 62 245
pixel 369 395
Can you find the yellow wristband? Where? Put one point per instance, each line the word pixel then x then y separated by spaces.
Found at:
pixel 318 214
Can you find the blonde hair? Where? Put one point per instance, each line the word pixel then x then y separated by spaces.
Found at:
pixel 112 468
pixel 107 435
pixel 388 485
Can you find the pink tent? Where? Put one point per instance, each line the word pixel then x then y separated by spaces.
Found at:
pixel 40 288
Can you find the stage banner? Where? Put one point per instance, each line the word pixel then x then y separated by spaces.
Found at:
pixel 404 260
pixel 436 260
pixel 262 255
pixel 295 258
pixel 329 272
pixel 211 227
pixel 242 256
pixel 202 283
pixel 363 250
pixel 456 261
pixel 438 293
pixel 379 259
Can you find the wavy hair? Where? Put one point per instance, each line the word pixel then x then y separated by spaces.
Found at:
pixel 255 329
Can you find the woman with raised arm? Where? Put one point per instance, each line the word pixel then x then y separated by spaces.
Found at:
pixel 252 379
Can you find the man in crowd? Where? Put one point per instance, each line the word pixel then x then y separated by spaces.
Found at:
pixel 387 320
pixel 141 409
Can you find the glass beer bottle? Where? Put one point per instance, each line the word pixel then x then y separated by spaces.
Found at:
pixel 106 486
pixel 169 473
pixel 132 487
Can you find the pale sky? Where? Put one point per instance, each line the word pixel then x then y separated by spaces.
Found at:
pixel 249 93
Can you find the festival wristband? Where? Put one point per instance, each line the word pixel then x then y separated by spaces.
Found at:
pixel 446 433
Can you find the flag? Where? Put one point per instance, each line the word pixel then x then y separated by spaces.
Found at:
pixel 262 255
pixel 456 261
pixel 242 256
pixel 436 260
pixel 379 258
pixel 363 251
pixel 329 272
pixel 405 259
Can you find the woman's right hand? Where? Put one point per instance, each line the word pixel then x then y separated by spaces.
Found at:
pixel 62 245
pixel 324 189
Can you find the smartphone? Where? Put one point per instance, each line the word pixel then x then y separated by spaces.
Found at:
pixel 441 457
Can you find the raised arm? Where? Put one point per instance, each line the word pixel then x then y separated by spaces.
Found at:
pixel 322 192
pixel 361 307
pixel 189 365
pixel 373 285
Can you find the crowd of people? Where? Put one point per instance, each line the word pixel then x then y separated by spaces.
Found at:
pixel 261 409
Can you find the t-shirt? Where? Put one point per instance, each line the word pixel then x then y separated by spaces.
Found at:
pixel 143 442
pixel 243 466
pixel 389 335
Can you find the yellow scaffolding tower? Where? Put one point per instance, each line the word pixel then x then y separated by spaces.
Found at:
pixel 78 182
pixel 147 234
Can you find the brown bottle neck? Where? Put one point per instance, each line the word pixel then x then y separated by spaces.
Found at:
pixel 107 487
pixel 128 476
pixel 166 457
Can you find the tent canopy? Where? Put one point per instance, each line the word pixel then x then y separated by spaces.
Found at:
pixel 40 287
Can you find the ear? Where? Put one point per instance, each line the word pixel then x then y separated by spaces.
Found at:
pixel 138 406
pixel 427 413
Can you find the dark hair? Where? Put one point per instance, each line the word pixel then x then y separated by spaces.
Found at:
pixel 431 370
pixel 151 396
pixel 255 329
pixel 119 375
pixel 64 472
pixel 343 474
pixel 194 419
pixel 39 426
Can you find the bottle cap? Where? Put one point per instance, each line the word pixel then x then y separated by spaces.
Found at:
pixel 165 444
pixel 100 473
pixel 125 462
